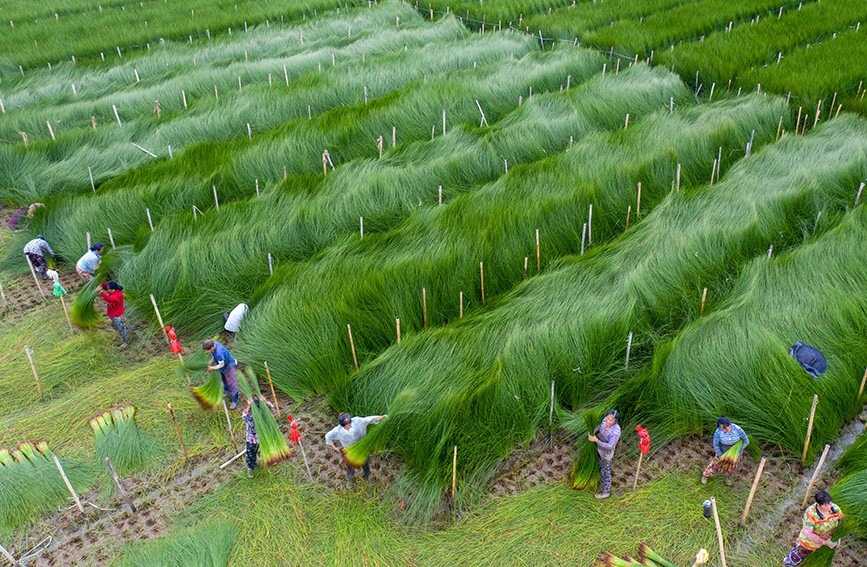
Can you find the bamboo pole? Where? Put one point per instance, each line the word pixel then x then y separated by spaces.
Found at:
pixel 461 311
pixel 35 279
pixel 628 349
pixel 229 425
pixel 361 226
pixel 271 385
pixel 424 307
pixel 177 425
pixel 29 353
pixel 589 225
pixel 538 253
pixel 551 407
pixel 703 300
pixel 526 263
pixel 454 472
pixel 397 329
pixel 8 556
pixel 637 471
pixel 753 488
pixel 482 280
pixel 584 236
pixel 628 215
pixel 160 318
pixel 304 456
pixel 352 346
pixel 3 296
pixel 233 459
pixel 66 313
pixel 87 238
pixel 638 201
pixel 150 219
pixel 90 175
pixel 67 483
pixel 120 489
pixel 809 428
pixel 816 472
pixel 719 534
pixel 111 238
pixel 863 383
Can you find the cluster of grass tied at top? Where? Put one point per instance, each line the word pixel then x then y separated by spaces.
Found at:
pixel 35 42
pixel 275 518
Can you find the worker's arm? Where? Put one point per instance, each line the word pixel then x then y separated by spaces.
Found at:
pixel 743 435
pixel 47 248
pixel 372 419
pixel 717 446
pixel 613 438
pixel 330 437
pixel 217 366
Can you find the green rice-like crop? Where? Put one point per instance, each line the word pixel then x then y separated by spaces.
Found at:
pixel 208 544
pixel 30 484
pixel 851 494
pixel 273 447
pixel 118 437
pixel 82 312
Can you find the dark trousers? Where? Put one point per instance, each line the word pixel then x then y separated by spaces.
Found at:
pixel 350 470
pixel 39 265
pixel 604 476
pixel 119 325
pixel 251 455
pixel 796 556
pixel 230 383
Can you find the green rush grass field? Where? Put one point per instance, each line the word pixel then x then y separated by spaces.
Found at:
pixel 490 221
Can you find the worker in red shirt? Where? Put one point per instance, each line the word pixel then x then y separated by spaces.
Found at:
pixel 112 294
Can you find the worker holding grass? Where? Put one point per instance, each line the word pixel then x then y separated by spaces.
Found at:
pixel 228 367
pixel 606 437
pixel 252 450
pixel 729 442
pixel 36 251
pixel 112 294
pixel 89 262
pixel 819 522
pixel 349 431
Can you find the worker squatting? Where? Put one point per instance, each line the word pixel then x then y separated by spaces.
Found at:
pixel 729 440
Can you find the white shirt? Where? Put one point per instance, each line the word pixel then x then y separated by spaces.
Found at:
pixel 357 430
pixel 233 322
pixel 88 263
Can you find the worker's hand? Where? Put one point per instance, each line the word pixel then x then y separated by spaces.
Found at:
pixel 592 438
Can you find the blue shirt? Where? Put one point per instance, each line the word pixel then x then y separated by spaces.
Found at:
pixel 722 440
pixel 222 354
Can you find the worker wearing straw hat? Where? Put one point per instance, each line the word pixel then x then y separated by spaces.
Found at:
pixel 228 367
pixel 727 434
pixel 606 437
pixel 36 250
pixel 819 522
pixel 349 431
pixel 89 262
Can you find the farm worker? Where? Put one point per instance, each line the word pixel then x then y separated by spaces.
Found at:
pixel 252 451
pixel 606 437
pixel 57 289
pixel 234 318
pixel 228 367
pixel 820 521
pixel 112 294
pixel 349 431
pixel 35 251
pixel 89 262
pixel 725 436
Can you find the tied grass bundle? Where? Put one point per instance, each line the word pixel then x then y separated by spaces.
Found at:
pixel 30 483
pixel 272 444
pixel 650 557
pixel 82 312
pixel 119 438
pixel 729 460
pixel 611 560
pixel 647 557
pixel 585 470
pixel 209 393
pixel 209 544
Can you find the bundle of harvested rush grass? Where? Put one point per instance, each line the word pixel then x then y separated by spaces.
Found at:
pixel 729 460
pixel 647 557
pixel 585 468
pixel 119 438
pixel 273 446
pixel 209 393
pixel 82 312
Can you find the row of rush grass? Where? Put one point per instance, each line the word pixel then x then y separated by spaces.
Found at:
pixel 452 386
pixel 686 21
pixel 86 34
pixel 474 12
pixel 382 191
pixel 371 282
pixel 728 55
pixel 579 18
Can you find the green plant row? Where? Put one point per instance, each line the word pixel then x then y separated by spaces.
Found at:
pixel 24 10
pixel 484 384
pixel 577 19
pixel 747 48
pixel 850 491
pixel 492 11
pixel 208 544
pixel 39 43
pixel 382 191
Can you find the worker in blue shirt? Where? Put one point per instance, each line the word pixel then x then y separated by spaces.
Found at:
pixel 228 367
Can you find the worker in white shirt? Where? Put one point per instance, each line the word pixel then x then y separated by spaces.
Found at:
pixel 234 318
pixel 349 431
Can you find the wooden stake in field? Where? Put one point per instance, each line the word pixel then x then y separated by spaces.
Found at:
pixel 753 488
pixel 677 177
pixel 150 219
pixel 120 489
pixel 352 346
pixel 163 326
pixel 87 239
pixel 719 534
pixel 184 98
pixel 440 195
pixel 637 470
pixel 424 307
pixel 67 483
pixel 454 472
pixel 461 308
pixel 482 280
pixel 177 425
pixel 863 383
pixel 638 201
pixel 271 385
pixel 361 226
pixel 270 264
pixel 36 279
pixel 116 115
pixel 628 349
pixel 50 129
pixel 397 329
pixel 703 300
pixel 809 428
pixel 584 234
pixel 229 425
pixel 216 198
pixel 3 550
pixel 798 121
pixel 628 215
pixel 816 472
pixel 551 407
pixel 29 353
pixel 538 253
pixel 589 225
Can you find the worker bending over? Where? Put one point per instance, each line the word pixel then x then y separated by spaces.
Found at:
pixel 819 522
pixel 89 262
pixel 348 432
pixel 228 367
pixel 36 250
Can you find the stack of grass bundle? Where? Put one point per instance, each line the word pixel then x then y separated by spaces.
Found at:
pixel 73 34
pixel 747 50
pixel 30 483
pixel 647 557
pixel 207 545
pixel 360 281
pixel 685 21
pixel 273 447
pixel 82 312
pixel 579 18
pixel 333 209
pixel 735 361
pixel 585 467
pixel 119 438
pixel 209 392
pixel 571 325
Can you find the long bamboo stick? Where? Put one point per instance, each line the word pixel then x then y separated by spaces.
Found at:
pixel 809 428
pixel 719 534
pixel 815 475
pixel 753 488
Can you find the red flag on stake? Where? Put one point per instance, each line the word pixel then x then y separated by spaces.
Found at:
pixel 174 344
pixel 643 449
pixel 295 439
